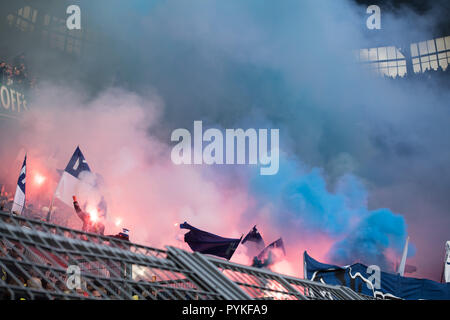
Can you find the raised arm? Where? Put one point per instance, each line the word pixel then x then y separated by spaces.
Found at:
pixel 78 210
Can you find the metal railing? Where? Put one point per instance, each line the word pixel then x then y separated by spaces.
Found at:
pixel 39 260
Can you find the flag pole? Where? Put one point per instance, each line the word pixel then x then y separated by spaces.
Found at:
pixel 50 208
pixel 447 253
pixel 401 268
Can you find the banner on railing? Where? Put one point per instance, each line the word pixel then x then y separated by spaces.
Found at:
pixel 13 101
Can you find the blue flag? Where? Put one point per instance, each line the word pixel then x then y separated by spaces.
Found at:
pixel 267 257
pixel 22 176
pixel 254 242
pixel 208 243
pixel 277 244
pixel 254 236
pixel 77 164
pixel 70 178
pixel 372 281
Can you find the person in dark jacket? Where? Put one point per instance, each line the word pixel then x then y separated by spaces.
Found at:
pixel 88 224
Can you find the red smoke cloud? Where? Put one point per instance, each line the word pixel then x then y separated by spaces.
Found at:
pixel 143 189
pixel 145 192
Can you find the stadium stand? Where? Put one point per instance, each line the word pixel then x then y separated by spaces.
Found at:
pixel 16 74
pixel 39 260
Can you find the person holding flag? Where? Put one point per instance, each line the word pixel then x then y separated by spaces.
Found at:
pixel 78 180
pixel 71 178
pixel 19 197
pixel 3 198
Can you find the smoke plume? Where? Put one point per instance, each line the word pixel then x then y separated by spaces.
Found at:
pixel 364 160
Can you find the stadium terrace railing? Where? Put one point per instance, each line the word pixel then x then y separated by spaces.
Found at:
pixel 39 260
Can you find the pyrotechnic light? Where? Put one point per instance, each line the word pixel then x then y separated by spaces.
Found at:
pixel 118 222
pixel 175 224
pixel 93 214
pixel 39 179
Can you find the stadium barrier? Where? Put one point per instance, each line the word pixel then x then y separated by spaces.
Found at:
pixel 40 260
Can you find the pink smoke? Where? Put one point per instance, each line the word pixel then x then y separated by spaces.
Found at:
pixel 145 192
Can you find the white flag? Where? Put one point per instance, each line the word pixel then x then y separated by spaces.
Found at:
pixel 19 197
pixel 70 182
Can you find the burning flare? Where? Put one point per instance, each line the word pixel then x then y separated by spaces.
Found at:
pixel 39 179
pixel 93 214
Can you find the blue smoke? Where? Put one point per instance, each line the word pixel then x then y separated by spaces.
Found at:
pixel 303 205
pixel 368 241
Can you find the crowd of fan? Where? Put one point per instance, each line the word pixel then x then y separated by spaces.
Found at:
pixel 16 74
pixel 30 211
pixel 51 281
pixel 439 74
pixel 13 276
pixel 55 288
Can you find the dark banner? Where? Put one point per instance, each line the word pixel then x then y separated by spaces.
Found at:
pixel 371 281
